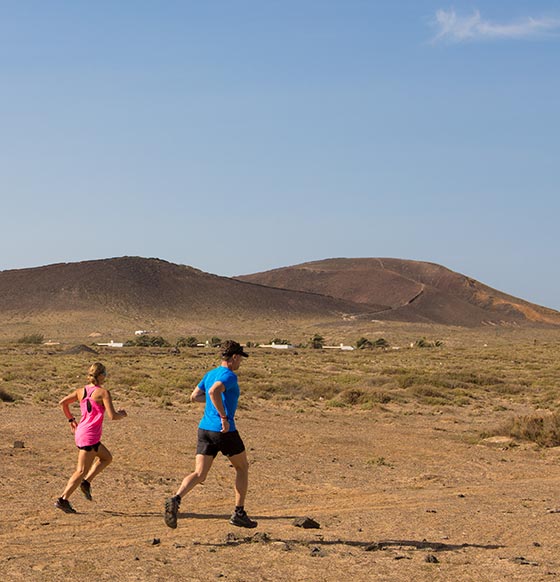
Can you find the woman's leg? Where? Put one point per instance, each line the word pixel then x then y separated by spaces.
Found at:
pixel 102 458
pixel 85 459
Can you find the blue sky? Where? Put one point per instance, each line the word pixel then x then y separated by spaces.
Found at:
pixel 242 135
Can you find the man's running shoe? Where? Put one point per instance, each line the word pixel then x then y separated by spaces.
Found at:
pixel 171 509
pixel 241 519
pixel 64 504
pixel 85 488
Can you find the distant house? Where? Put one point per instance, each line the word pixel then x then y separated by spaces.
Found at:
pixel 339 347
pixel 277 346
pixel 111 344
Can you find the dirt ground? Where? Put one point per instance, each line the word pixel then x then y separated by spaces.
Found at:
pixel 391 490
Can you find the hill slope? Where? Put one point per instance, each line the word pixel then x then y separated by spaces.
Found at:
pixel 114 293
pixel 414 291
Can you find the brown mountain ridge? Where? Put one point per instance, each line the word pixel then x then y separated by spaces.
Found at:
pixel 413 291
pixel 126 293
pixel 119 292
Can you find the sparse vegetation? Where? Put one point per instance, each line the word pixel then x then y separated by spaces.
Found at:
pixel 186 342
pixel 466 375
pixel 543 429
pixel 317 341
pixel 424 343
pixel 364 343
pixel 34 338
pixel 148 341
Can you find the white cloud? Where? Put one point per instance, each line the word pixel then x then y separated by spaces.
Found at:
pixel 456 28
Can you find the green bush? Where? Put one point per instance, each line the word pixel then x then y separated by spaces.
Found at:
pixel 149 341
pixel 317 341
pixel 363 343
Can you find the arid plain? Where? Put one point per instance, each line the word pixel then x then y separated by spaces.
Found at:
pixel 403 456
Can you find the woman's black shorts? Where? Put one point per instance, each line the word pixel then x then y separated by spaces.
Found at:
pixel 211 443
pixel 94 447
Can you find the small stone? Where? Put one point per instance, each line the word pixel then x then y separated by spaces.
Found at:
pixel 306 523
pixel 155 542
pixel 537 544
pixel 260 538
pixel 18 445
pixel 431 559
pixel 317 552
pixel 461 495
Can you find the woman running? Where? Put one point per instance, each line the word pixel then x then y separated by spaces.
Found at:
pixel 93 457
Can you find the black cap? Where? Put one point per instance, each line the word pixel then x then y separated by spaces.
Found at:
pixel 230 348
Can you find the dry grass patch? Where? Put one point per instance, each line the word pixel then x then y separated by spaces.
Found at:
pixel 540 428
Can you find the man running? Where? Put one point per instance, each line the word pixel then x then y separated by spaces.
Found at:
pixel 217 433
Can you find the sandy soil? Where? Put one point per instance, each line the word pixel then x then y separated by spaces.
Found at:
pixel 389 489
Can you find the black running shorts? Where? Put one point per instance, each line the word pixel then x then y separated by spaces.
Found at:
pixel 94 447
pixel 211 443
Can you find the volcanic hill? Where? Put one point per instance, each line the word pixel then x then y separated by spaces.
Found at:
pixel 413 291
pixel 131 292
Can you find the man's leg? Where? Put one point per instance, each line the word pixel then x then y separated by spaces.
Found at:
pixel 241 466
pixel 202 466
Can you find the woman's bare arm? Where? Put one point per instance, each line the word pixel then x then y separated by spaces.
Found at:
pixel 108 404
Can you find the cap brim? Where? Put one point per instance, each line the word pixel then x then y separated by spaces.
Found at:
pixel 242 353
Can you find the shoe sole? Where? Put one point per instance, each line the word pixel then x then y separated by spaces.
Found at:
pixel 245 525
pixel 170 516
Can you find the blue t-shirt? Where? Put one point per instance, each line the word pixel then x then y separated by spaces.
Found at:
pixel 211 419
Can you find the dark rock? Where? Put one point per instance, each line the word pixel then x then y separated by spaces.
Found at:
pixel 431 559
pixel 317 552
pixel 155 542
pixel 18 445
pixel 260 538
pixel 373 547
pixel 305 523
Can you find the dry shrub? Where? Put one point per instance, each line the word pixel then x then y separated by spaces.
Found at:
pixel 353 396
pixel 543 429
pixel 429 395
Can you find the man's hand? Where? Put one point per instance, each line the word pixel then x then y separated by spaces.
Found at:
pixel 225 425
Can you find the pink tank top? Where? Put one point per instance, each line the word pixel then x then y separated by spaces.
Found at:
pixel 90 427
